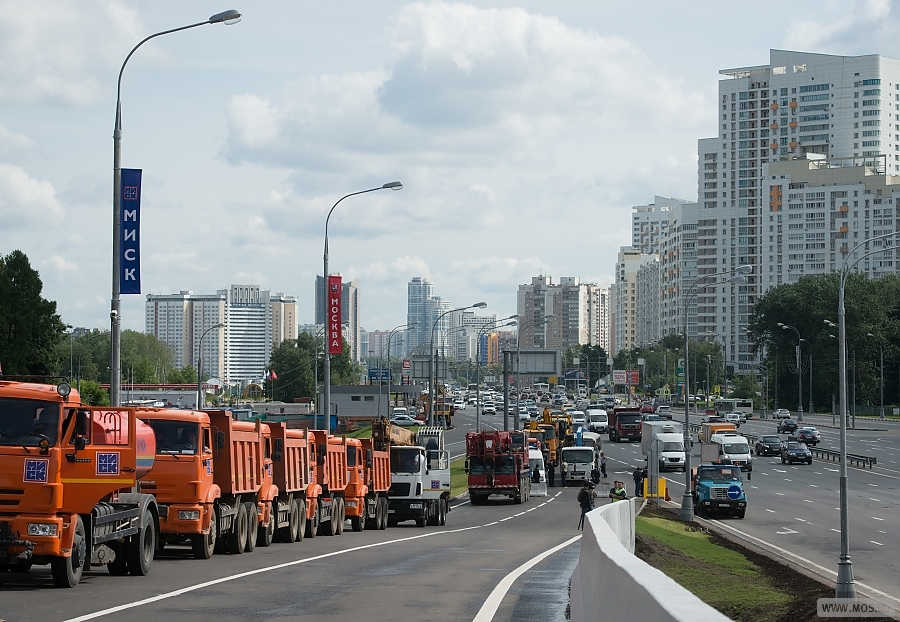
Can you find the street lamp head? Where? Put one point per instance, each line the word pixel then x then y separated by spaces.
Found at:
pixel 229 17
pixel 745 269
pixel 479 305
pixel 393 185
pixel 738 278
pixel 869 335
pixel 219 325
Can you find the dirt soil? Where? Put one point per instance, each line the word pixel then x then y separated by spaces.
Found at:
pixel 805 591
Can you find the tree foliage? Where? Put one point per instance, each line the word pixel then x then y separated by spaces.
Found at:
pixel 29 325
pixel 872 308
pixel 298 362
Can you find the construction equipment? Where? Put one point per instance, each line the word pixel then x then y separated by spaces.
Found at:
pixel 420 477
pixel 496 467
pixel 369 468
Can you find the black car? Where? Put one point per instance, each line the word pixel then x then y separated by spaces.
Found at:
pixel 787 425
pixel 792 452
pixel 769 445
pixel 808 435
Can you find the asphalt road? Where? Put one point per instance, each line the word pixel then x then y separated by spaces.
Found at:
pixel 435 573
pixel 794 508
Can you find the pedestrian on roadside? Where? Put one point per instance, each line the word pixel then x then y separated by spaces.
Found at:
pixel 551 474
pixel 563 466
pixel 595 475
pixel 617 492
pixel 586 503
pixel 638 477
pixel 603 464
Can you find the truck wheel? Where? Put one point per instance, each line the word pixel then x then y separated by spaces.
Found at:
pixel 741 513
pixel 701 511
pixel 341 517
pixel 237 537
pixel 442 520
pixel 300 525
pixel 288 533
pixel 252 526
pixel 141 546
pixel 359 523
pixel 420 522
pixel 329 527
pixel 266 531
pixel 384 513
pixel 67 571
pixel 118 567
pixel 203 545
pixel 312 524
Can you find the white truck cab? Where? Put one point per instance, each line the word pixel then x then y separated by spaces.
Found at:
pixel 539 479
pixel 733 449
pixel 420 480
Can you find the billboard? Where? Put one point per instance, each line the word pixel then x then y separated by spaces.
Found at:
pixel 335 335
pixel 130 232
pixel 619 376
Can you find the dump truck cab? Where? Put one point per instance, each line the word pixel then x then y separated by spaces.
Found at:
pixel 420 480
pixel 718 489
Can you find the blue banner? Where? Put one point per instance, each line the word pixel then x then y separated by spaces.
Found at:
pixel 130 232
pixel 384 373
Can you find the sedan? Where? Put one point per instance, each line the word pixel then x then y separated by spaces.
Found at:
pixel 768 445
pixel 533 411
pixel 782 413
pixel 808 435
pixel 404 420
pixel 788 425
pixel 578 417
pixel 792 451
pixel 524 416
pixel 489 409
pixel 459 405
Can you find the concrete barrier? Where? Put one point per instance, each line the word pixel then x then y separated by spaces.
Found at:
pixel 610 583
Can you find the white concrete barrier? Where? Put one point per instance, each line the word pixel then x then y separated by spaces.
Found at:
pixel 610 583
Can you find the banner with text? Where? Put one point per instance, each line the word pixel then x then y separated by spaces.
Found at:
pixel 335 335
pixel 634 376
pixel 130 232
pixel 618 376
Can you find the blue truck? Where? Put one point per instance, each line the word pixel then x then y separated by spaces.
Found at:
pixel 718 489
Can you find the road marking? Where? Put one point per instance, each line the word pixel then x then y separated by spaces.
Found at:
pixel 786 531
pixel 788 480
pixel 768 510
pixel 494 523
pixel 871 499
pixel 754 487
pixel 817 472
pixel 781 494
pixel 876 518
pixel 779 470
pixel 878 543
pixel 490 606
pixel 507 518
pixel 800 519
pixel 873 484
pixel 807 500
pixel 460 504
pixel 813 485
pixel 531 509
pixel 519 514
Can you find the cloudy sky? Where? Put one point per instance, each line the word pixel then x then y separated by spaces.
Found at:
pixel 523 134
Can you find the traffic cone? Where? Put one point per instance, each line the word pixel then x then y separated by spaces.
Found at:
pixel 668 498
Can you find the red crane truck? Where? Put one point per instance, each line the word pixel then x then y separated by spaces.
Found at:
pixel 496 467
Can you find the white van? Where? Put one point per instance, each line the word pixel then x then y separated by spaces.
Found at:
pixel 539 485
pixel 733 449
pixel 580 461
pixel 598 421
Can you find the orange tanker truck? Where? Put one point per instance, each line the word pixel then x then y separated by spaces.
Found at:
pixel 67 473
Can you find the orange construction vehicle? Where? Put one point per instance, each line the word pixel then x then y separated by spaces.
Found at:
pixel 369 466
pixel 298 492
pixel 66 478
pixel 328 457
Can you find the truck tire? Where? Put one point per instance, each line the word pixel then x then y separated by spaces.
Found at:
pixel 252 526
pixel 442 519
pixel 142 546
pixel 237 537
pixel 300 527
pixel 312 524
pixel 329 527
pixel 203 545
pixel 384 513
pixel 67 571
pixel 431 514
pixel 741 513
pixel 288 533
pixel 360 523
pixel 266 531
pixel 341 516
pixel 118 567
pixel 375 522
pixel 420 522
pixel 701 512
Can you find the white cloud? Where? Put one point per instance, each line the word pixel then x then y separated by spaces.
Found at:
pixel 52 51
pixel 25 201
pixel 13 143
pixel 851 28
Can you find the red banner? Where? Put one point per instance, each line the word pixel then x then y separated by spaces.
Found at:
pixel 634 376
pixel 335 335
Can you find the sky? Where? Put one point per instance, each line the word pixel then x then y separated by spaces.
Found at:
pixel 523 134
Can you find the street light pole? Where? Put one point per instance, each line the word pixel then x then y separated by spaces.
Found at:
pixel 200 398
pixel 687 501
pixel 432 381
pixel 390 375
pixel 799 370
pixel 115 313
pixel 522 325
pixel 332 330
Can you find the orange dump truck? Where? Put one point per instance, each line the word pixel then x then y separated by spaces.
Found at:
pixel 66 476
pixel 369 466
pixel 297 491
pixel 328 457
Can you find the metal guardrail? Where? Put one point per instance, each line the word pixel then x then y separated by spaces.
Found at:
pixel 835 456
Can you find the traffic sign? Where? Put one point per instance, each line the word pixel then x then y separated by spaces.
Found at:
pixel 734 492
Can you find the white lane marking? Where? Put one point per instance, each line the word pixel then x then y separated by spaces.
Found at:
pixel 878 543
pixel 876 518
pixel 490 606
pixel 460 504
pixel 800 519
pixel 786 531
pixel 494 523
pixel 519 514
pixel 781 494
pixel 531 509
pixel 873 484
pixel 788 480
pixel 754 487
pixel 507 518
pixel 807 500
pixel 768 510
pixel 871 499
pixel 835 530
pixel 813 486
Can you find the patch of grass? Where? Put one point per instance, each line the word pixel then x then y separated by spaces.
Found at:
pixel 363 432
pixel 459 481
pixel 722 577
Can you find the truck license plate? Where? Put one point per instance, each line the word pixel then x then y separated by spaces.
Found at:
pixel 723 505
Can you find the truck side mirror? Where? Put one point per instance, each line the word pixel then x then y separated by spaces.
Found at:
pixel 277 456
pixel 320 460
pixel 80 443
pixel 220 439
pixel 279 445
pixel 369 458
pixel 81 418
pixel 466 467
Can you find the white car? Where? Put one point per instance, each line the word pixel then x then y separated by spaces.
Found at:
pixel 781 413
pixel 489 409
pixel 524 416
pixel 734 418
pixel 578 417
pixel 459 405
pixel 399 410
pixel 403 420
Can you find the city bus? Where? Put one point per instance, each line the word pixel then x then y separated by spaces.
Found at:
pixel 540 387
pixel 735 406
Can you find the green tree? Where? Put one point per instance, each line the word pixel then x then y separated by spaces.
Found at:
pixel 93 394
pixel 29 325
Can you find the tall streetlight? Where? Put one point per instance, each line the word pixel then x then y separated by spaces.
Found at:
pixel 200 397
pixel 799 370
pixel 390 375
pixel 481 332
pixel 881 382
pixel 432 381
pixel 333 330
pixel 687 501
pixel 521 327
pixel 846 586
pixel 115 382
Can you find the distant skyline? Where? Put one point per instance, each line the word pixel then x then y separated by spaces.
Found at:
pixel 523 135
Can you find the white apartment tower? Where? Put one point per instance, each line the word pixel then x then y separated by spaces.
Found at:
pixel 798 105
pixel 649 223
pixel 629 262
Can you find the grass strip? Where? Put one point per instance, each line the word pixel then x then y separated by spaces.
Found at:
pixel 459 481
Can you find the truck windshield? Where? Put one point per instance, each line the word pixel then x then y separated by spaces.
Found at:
pixel 737 448
pixel 404 460
pixel 506 465
pixel 536 462
pixel 718 475
pixel 599 417
pixel 175 437
pixel 477 466
pixel 629 417
pixel 27 422
pixel 673 446
pixel 578 455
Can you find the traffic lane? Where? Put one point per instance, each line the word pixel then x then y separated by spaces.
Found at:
pixel 794 508
pixel 22 596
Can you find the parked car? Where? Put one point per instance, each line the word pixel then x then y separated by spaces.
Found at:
pixel 781 413
pixel 404 420
pixel 808 435
pixel 787 425
pixel 768 445
pixel 399 410
pixel 793 451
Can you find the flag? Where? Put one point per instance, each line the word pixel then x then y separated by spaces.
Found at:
pixel 273 375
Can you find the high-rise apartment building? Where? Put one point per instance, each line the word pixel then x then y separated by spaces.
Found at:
pixel 629 262
pixel 253 321
pixel 649 223
pixel 419 290
pixel 574 310
pixel 837 107
pixel 350 318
